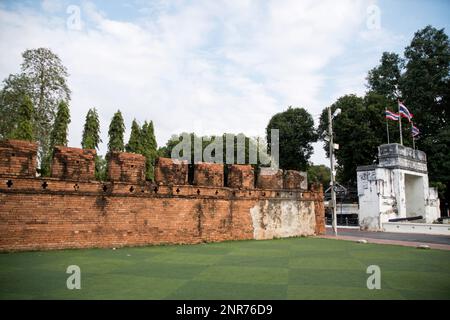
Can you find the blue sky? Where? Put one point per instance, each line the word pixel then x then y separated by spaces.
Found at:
pixel 211 66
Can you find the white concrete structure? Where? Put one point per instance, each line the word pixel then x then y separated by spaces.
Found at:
pixel 395 188
pixel 425 228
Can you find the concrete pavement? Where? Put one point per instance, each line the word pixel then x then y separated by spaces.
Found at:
pixel 403 239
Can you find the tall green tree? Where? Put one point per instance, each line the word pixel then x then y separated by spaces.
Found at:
pixel 91 131
pixel 135 143
pixel 384 79
pixel 296 135
pixel 91 139
pixel 425 88
pixel 43 78
pixel 359 129
pixel 148 147
pixel 58 135
pixel 24 128
pixel 60 131
pixel 116 132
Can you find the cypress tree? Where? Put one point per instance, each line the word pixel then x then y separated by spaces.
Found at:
pixel 149 148
pixel 58 136
pixel 134 144
pixel 91 131
pixel 24 128
pixel 91 139
pixel 116 132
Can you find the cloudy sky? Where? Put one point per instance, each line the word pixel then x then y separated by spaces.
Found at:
pixel 210 66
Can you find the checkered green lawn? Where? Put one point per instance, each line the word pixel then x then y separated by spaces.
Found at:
pixel 295 268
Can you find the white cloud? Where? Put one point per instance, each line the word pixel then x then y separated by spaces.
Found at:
pixel 210 66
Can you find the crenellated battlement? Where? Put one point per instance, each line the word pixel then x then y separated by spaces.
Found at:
pixel 19 159
pixel 72 210
pixel 73 163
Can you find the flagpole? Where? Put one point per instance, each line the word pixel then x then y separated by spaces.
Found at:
pixel 387 125
pixel 413 138
pixel 400 122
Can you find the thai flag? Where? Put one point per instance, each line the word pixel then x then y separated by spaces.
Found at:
pixel 392 115
pixel 404 112
pixel 415 131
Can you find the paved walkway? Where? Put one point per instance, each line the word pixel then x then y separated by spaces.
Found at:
pixel 402 239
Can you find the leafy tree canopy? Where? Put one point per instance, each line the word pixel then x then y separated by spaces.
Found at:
pixel 296 135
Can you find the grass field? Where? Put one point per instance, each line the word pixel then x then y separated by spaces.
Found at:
pixel 296 268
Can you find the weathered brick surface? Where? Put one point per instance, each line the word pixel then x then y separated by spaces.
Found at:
pixel 82 214
pixel 18 158
pixel 126 167
pixel 319 209
pixel 241 176
pixel 168 171
pixel 294 179
pixel 269 178
pixel 73 163
pixel 208 174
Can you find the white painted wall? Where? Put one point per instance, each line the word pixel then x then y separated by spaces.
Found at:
pixel 391 190
pixel 423 228
pixel 281 218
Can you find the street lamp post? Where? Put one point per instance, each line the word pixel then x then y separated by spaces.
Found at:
pixel 332 182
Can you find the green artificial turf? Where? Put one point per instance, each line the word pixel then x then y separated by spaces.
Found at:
pixel 295 268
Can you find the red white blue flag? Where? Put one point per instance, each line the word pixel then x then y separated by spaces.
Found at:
pixel 392 115
pixel 404 112
pixel 414 130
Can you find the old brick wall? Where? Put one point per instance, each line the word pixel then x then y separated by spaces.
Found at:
pixel 241 176
pixel 73 163
pixel 18 158
pixel 55 213
pixel 126 167
pixel 208 174
pixel 82 214
pixel 169 171
pixel 269 178
pixel 295 180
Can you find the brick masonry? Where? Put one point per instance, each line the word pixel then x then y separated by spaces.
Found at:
pixel 269 178
pixel 295 180
pixel 208 174
pixel 126 167
pixel 73 163
pixel 18 158
pixel 53 213
pixel 168 171
pixel 241 176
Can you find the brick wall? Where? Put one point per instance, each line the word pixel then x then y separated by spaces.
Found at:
pixel 241 176
pixel 269 178
pixel 126 167
pixel 18 158
pixel 73 163
pixel 208 174
pixel 55 213
pixel 295 180
pixel 168 171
